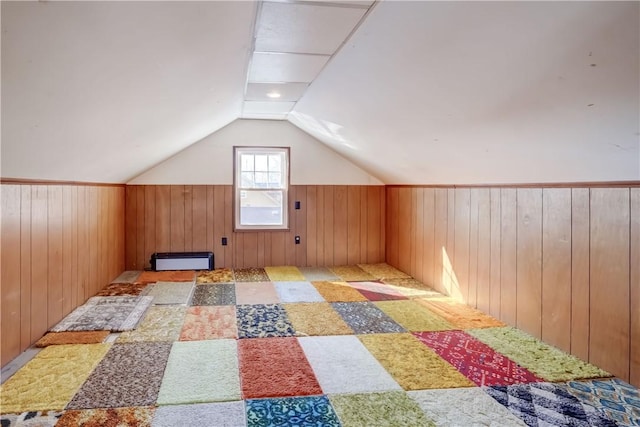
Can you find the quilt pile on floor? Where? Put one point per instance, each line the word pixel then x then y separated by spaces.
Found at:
pixel 284 346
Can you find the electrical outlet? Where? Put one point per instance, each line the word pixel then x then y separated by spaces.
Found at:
pixel 297 240
pixel 224 241
pixel 297 204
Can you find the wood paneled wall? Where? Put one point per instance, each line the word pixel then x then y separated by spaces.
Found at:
pixel 60 245
pixel 563 264
pixel 337 225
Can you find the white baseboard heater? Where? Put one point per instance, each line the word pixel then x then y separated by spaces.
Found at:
pixel 162 261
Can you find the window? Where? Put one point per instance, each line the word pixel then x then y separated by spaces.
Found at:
pixel 261 183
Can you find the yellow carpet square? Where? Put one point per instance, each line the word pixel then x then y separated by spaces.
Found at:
pixel 413 317
pixel 338 292
pixel 219 275
pixel 284 274
pixel 316 318
pixel 351 273
pixel 459 315
pixel 49 380
pixel 383 271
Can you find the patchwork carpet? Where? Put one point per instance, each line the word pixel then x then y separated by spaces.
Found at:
pixel 127 277
pixel 476 360
pixel 74 337
pixel 351 273
pixel 400 354
pixel 137 416
pixel 413 317
pixel 166 276
pixel 219 275
pixel 129 375
pixel 313 274
pixel 366 318
pixel 209 323
pixel 383 271
pixel 117 289
pixel 297 292
pixel 171 293
pixel 262 321
pixel 275 367
pixel 547 404
pixel 120 313
pixel 284 274
pixel 461 316
pixel 313 351
pixel 219 294
pixel 541 359
pixel 316 319
pixel 338 292
pixel 49 380
pixel 201 372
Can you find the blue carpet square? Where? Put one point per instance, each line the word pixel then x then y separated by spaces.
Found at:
pixel 263 321
pixel 366 318
pixel 312 411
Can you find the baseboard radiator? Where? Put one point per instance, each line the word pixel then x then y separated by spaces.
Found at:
pixel 162 261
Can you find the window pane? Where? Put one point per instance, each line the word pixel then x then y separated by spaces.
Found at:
pixel 247 162
pixel 275 180
pixel 261 208
pixel 248 180
pixel 261 180
pixel 261 163
pixel 275 163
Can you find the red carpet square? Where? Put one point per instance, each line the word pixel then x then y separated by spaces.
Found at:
pixel 476 360
pixel 275 367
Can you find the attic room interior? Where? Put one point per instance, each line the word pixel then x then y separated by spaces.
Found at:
pixel 419 213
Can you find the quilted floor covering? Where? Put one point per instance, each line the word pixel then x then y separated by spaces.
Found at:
pixel 347 346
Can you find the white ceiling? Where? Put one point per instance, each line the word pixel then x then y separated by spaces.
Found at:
pixel 422 92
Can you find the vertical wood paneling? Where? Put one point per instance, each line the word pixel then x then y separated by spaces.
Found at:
pixel 50 247
pixel 529 261
pixel 131 223
pixel 483 282
pixel 496 252
pixel 418 271
pixel 556 267
pixel 141 259
pixel 413 220
pixel 329 230
pixel 374 220
pixel 364 228
pixel 216 210
pixel 580 298
pixel 461 224
pixel 508 251
pixel 353 224
pixel 403 215
pixel 609 280
pixel 393 227
pixel 188 218
pixel 312 244
pixel 177 218
pixel 227 209
pixel 301 227
pixel 428 236
pixel 149 221
pixel 199 235
pixel 440 239
pixel 340 225
pixel 634 300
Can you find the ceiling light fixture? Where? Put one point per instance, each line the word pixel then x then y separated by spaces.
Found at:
pixel 273 95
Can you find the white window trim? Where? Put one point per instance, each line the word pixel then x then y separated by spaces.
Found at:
pixel 237 151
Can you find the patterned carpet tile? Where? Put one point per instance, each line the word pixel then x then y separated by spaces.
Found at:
pixel 366 318
pixel 297 292
pixel 218 294
pixel 547 404
pixel 119 313
pixel 167 293
pixel 460 315
pixel 338 292
pixel 413 317
pixel 201 372
pixel 275 367
pixel 284 274
pixel 219 275
pixel 316 274
pixel 262 321
pixel 376 291
pixel 118 289
pixel 51 378
pixel 250 275
pixel 386 409
pixel 127 277
pixel 31 419
pixel 618 400
pixel 342 364
pixel 543 360
pixel 292 411
pixel 383 271
pixel 138 416
pixel 475 360
pixel 317 318
pixel 209 322
pixel 129 375
pixel 73 337
pixel 256 293
pixel 475 408
pixel 412 364
pixel 160 324
pixel 411 288
pixel 219 414
pixel 166 276
pixel 351 273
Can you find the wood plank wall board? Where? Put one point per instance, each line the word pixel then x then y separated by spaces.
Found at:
pixel 205 215
pixel 634 299
pixel 556 267
pixel 529 261
pixel 559 262
pixel 60 244
pixel 609 280
pixel 404 229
